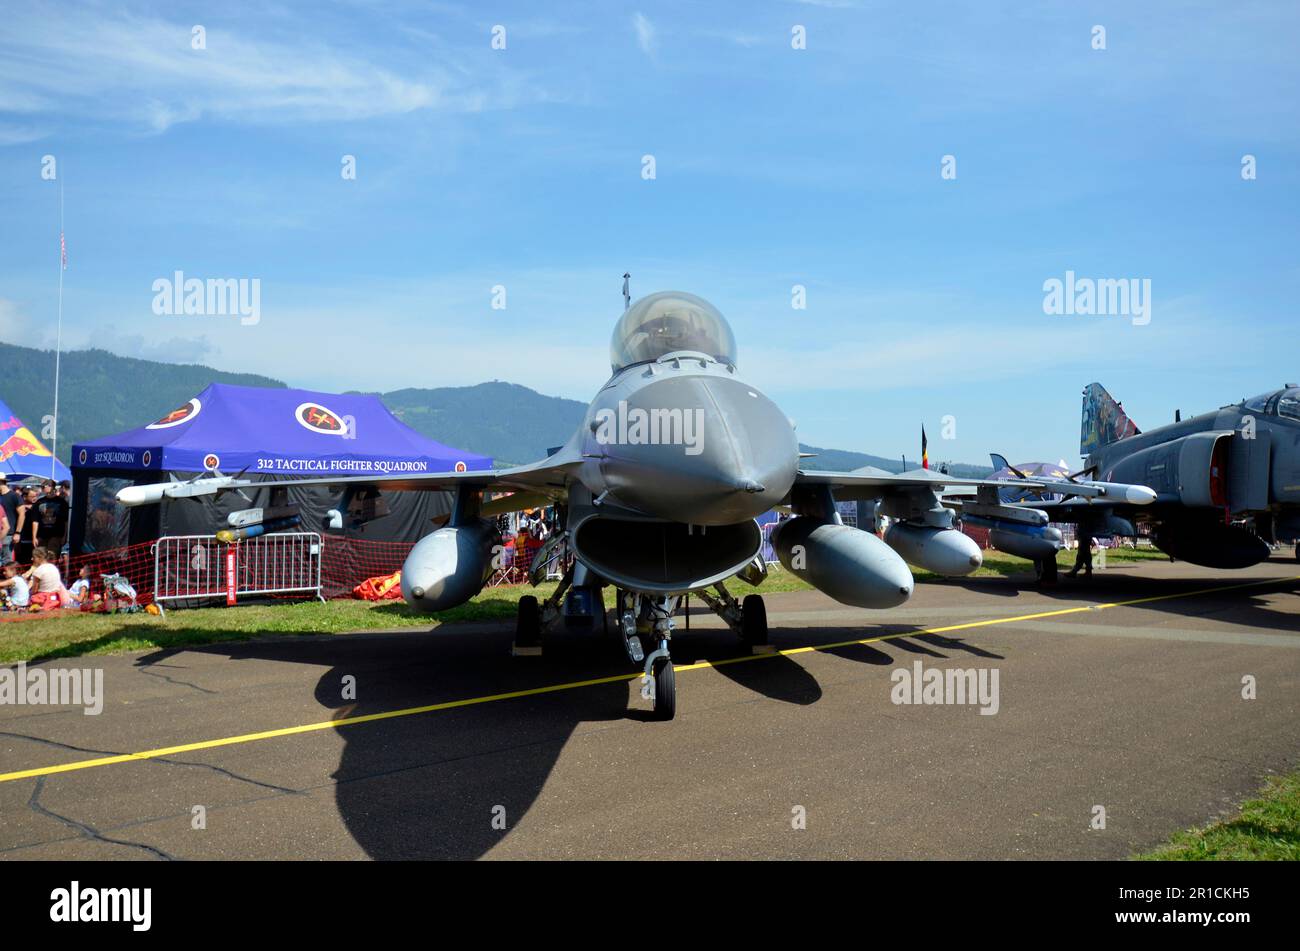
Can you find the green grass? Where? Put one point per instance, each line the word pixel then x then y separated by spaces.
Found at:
pixel 1267 828
pixel 71 634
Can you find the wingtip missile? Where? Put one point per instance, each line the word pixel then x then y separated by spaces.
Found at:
pixel 1139 495
pixel 133 495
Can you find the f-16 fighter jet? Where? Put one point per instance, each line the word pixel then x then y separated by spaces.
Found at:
pixel 657 494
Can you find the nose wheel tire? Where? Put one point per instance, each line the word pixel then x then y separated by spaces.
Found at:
pixel 665 696
pixel 753 620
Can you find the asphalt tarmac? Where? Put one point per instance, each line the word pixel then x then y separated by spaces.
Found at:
pixel 1123 692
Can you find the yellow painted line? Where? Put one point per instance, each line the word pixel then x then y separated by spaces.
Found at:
pixel 576 684
pixel 967 625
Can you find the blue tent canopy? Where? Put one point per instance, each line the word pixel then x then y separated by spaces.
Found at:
pixel 275 431
pixel 22 454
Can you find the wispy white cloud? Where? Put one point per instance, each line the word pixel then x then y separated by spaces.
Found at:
pixel 11 134
pixel 145 71
pixel 645 33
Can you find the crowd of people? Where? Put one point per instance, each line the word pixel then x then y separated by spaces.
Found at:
pixel 521 542
pixel 33 533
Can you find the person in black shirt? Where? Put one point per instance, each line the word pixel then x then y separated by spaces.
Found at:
pixel 50 518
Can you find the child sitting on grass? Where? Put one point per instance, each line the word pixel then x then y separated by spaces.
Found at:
pixel 80 589
pixel 50 595
pixel 14 590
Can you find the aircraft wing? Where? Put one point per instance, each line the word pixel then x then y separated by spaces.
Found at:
pixel 531 483
pixel 872 483
pixel 1074 510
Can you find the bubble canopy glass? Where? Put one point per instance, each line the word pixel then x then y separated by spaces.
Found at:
pixel 666 322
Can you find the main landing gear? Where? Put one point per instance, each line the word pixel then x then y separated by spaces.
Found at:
pixel 534 618
pixel 748 618
pixel 1045 571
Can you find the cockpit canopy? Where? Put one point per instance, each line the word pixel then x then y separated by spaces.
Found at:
pixel 667 321
pixel 1284 403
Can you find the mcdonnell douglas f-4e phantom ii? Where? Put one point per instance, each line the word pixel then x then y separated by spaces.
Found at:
pixel 658 491
pixel 1210 474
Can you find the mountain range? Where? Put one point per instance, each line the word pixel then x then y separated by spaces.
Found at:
pixel 101 393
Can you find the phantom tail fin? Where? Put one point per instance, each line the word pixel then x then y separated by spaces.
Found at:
pixel 1104 420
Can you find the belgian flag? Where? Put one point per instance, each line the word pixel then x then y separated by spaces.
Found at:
pixel 925 455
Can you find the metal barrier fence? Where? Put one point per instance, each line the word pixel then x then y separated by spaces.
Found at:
pixel 199 567
pixel 767 551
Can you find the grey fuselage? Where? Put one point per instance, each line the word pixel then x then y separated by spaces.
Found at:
pixel 683 438
pixel 1239 460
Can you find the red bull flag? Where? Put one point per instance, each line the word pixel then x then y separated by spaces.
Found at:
pixel 23 454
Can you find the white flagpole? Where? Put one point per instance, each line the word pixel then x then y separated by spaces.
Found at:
pixel 58 337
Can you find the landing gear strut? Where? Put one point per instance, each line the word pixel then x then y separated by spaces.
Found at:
pixel 640 617
pixel 659 682
pixel 1045 571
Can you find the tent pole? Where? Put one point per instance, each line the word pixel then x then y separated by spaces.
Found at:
pixel 58 337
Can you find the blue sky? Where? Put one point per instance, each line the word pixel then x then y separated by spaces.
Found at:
pixel 774 167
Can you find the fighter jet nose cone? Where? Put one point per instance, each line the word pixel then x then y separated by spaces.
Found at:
pixel 697 447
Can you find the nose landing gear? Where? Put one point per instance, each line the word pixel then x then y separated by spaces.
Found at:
pixel 647 621
pixel 659 683
pixel 653 618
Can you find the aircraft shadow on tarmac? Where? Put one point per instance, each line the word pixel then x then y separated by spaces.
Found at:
pixel 1241 606
pixel 426 786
